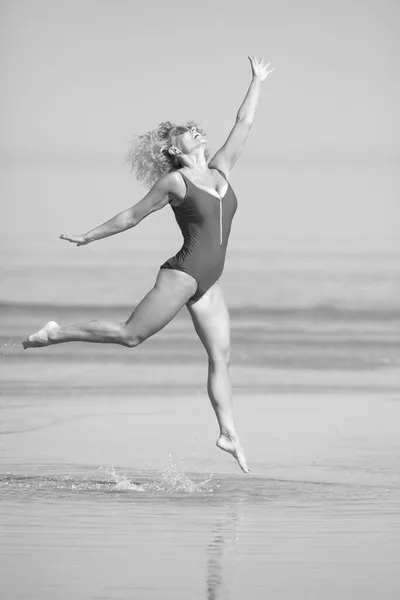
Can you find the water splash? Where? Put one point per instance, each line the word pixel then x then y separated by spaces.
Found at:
pixel 174 479
pixel 121 481
pixel 171 479
pixel 10 343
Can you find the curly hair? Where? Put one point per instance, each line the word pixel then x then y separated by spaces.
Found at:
pixel 148 155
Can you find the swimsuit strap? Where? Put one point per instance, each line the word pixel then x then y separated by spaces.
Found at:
pixel 183 175
pixel 185 181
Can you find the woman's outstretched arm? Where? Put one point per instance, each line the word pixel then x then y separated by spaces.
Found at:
pixel 226 157
pixel 157 198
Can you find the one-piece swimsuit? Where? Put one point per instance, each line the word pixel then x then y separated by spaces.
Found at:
pixel 205 222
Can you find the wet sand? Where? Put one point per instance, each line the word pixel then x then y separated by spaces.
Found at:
pixel 113 490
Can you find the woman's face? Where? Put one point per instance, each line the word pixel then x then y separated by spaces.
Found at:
pixel 186 140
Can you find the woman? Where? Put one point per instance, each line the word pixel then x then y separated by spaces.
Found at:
pixel 173 161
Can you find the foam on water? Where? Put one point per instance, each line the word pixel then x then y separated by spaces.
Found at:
pixel 175 479
pixel 172 482
pixel 171 479
pixel 106 480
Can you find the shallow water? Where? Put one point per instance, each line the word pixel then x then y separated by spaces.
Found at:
pixel 127 497
pixel 103 534
pixel 111 486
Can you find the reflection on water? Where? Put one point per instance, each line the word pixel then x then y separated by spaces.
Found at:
pixel 222 554
pixel 175 534
pixel 316 394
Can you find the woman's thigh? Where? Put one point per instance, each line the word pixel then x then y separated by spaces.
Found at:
pixel 210 318
pixel 170 293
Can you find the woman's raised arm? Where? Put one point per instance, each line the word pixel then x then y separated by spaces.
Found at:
pixel 226 157
pixel 155 199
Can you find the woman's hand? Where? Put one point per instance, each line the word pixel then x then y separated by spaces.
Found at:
pixel 259 70
pixel 79 240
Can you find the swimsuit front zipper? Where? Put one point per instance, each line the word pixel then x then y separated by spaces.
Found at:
pixel 220 221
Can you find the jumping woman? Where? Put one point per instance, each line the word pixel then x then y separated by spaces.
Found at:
pixel 174 163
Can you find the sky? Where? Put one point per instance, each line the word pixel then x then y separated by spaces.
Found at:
pixel 81 77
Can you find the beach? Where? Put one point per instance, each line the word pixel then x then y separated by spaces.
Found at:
pixel 111 485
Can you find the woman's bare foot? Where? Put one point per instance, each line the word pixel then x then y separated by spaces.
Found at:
pixel 41 337
pixel 232 445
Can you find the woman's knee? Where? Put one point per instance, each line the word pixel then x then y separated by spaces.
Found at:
pixel 131 340
pixel 221 356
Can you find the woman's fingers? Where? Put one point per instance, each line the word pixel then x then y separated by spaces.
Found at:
pixel 257 62
pixel 259 68
pixel 75 239
pixel 63 236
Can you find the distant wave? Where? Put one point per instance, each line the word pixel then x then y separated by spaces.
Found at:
pixel 321 312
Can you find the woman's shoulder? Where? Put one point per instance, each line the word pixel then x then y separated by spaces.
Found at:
pixel 177 188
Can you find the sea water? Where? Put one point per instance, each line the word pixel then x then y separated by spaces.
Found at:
pixel 111 486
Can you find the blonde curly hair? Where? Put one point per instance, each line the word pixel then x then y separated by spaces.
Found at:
pixel 148 154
